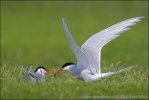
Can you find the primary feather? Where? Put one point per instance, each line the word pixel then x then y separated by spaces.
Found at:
pixel 81 57
pixel 92 47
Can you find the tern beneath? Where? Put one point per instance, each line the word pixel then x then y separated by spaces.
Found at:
pixel 37 76
pixel 88 56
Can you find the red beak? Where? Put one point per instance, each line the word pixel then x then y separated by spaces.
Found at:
pixel 59 70
pixel 49 71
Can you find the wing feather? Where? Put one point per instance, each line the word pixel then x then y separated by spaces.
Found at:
pixel 92 47
pixel 82 62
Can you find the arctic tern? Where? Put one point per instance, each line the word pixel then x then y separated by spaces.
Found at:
pixel 88 56
pixel 37 76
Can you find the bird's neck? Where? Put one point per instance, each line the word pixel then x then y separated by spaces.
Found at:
pixel 39 74
pixel 73 70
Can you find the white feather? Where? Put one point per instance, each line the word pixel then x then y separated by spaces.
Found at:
pixel 92 47
pixel 82 62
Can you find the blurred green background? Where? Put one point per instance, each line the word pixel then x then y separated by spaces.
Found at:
pixel 32 32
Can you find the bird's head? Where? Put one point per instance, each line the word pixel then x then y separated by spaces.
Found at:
pixel 65 66
pixel 42 70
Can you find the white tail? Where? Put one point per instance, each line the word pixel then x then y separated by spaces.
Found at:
pixel 112 73
pixel 125 69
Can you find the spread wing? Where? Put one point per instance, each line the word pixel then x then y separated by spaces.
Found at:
pixel 92 47
pixel 82 62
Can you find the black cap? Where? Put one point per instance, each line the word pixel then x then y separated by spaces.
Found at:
pixel 66 64
pixel 40 67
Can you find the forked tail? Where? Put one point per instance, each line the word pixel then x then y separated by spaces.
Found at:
pixel 125 69
pixel 119 71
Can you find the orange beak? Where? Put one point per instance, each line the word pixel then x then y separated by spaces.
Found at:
pixel 49 71
pixel 59 70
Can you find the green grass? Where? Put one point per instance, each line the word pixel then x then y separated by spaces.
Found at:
pixel 32 33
